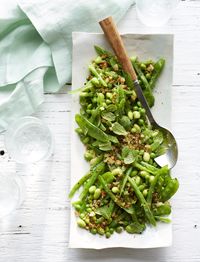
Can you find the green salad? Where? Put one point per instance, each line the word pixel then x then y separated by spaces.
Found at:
pixel 124 188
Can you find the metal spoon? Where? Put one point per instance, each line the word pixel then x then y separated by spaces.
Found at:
pixel 112 34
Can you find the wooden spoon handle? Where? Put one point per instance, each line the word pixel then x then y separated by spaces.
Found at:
pixel 112 34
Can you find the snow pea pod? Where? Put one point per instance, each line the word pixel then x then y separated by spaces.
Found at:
pixel 162 210
pixel 92 130
pixel 170 189
pixel 158 67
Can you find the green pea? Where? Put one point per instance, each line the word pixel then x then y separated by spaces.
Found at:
pixel 109 95
pixel 142 187
pixel 115 190
pixel 146 156
pixel 95 81
pixel 133 130
pixel 81 223
pixel 98 60
pixel 151 179
pixel 93 231
pixel 130 115
pixel 87 220
pixel 89 209
pixel 144 174
pixel 137 128
pixel 142 111
pixel 145 192
pixel 148 76
pixel 126 193
pixel 97 193
pixel 133 173
pixel 135 108
pixel 117 171
pixel 111 230
pixel 92 189
pixel 116 67
pixel 152 155
pixel 108 234
pixel 94 100
pixel 143 66
pixel 136 114
pixel 101 231
pixel 141 121
pixel 82 215
pixel 119 229
pixel 138 180
pixel 108 101
pixel 88 155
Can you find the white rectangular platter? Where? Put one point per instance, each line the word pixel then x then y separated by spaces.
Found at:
pixel 145 47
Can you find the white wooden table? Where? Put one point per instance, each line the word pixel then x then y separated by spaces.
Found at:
pixel 38 231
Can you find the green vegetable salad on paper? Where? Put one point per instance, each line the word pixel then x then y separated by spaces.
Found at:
pixel 124 189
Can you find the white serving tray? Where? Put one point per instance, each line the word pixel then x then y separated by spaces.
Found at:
pixel 145 47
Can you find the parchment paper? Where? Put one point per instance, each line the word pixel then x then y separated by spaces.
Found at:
pixel 145 47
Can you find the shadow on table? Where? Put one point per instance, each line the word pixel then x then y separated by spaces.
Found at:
pixel 121 254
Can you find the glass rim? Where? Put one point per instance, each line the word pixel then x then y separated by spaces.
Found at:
pixel 22 122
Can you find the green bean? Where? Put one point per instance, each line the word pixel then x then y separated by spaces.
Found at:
pixel 144 204
pixel 95 73
pixel 128 172
pixel 147 92
pixel 99 169
pixel 100 51
pixel 79 184
pixel 143 168
pixel 158 67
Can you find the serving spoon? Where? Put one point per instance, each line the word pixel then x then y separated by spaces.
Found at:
pixel 110 30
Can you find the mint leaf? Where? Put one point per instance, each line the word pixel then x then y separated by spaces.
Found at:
pixel 119 129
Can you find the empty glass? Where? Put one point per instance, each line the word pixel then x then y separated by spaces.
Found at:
pixel 155 12
pixel 11 193
pixel 28 140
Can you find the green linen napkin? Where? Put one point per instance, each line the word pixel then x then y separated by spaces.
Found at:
pixel 35 47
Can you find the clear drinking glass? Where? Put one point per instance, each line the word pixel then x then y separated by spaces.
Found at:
pixel 155 12
pixel 12 193
pixel 29 140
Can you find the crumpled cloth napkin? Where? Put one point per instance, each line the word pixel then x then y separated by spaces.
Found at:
pixel 35 47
